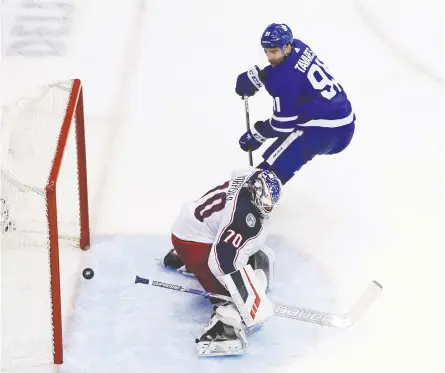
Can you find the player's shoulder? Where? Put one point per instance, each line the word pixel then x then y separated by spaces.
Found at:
pixel 304 57
pixel 299 46
pixel 266 71
pixel 246 217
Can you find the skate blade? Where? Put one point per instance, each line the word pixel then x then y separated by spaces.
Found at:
pixel 220 348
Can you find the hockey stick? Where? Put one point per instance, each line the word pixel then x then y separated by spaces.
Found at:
pixel 165 285
pixel 333 320
pixel 246 107
pixel 339 321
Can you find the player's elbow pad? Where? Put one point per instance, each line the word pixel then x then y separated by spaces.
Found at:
pixel 266 130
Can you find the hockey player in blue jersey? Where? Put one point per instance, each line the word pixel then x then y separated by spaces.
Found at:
pixel 311 112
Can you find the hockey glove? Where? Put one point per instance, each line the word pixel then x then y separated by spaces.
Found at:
pixel 251 140
pixel 249 82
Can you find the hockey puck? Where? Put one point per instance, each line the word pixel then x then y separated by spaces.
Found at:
pixel 88 273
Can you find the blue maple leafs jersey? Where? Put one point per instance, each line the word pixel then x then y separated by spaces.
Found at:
pixel 305 94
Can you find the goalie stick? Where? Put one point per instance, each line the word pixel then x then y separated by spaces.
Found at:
pixel 333 320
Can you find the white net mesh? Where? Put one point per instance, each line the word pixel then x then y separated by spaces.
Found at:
pixel 30 132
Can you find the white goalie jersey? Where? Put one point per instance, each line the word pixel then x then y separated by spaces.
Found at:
pixel 226 218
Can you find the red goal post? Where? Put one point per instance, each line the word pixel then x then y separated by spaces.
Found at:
pixel 44 208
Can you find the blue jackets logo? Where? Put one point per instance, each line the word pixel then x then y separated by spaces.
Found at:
pixel 250 220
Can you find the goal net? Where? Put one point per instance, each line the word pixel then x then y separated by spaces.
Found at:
pixel 43 221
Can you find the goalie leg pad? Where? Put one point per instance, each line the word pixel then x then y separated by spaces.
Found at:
pixel 262 278
pixel 249 296
pixel 224 334
pixel 233 326
pixel 264 259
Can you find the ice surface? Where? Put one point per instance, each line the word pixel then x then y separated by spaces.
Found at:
pixel 120 326
pixel 373 212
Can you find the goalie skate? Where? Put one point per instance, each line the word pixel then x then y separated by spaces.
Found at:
pixel 172 261
pixel 221 346
pixel 220 338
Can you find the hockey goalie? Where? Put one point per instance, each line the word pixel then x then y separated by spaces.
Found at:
pixel 220 238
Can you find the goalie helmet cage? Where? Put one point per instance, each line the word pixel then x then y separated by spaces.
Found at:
pixel 34 215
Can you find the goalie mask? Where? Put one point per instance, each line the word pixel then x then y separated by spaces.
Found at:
pixel 265 189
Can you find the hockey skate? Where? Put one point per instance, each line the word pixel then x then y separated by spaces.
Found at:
pixel 224 334
pixel 172 260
